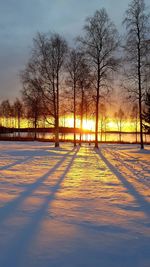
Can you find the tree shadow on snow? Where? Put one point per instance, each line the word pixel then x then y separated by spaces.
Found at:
pixel 20 242
pixel 29 154
pixel 143 204
pixel 12 206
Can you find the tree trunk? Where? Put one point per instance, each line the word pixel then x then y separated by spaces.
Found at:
pixel 97 106
pixel 56 132
pixel 101 128
pixel 74 103
pixel 105 129
pixel 120 131
pixel 136 128
pixel 141 126
pixel 19 125
pixel 35 128
pixel 81 119
pixel 57 113
pixel 140 93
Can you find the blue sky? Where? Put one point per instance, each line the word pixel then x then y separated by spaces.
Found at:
pixel 21 20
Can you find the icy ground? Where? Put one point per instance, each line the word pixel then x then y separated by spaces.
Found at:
pixel 74 207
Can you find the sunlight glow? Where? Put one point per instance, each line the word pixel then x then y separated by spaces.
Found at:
pixel 88 124
pixel 68 121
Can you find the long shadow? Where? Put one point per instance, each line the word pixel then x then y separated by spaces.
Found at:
pixel 10 207
pixel 142 202
pixel 119 156
pixel 130 158
pixel 130 167
pixel 17 162
pixel 29 154
pixel 21 243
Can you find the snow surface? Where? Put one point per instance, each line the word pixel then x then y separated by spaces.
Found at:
pixel 74 207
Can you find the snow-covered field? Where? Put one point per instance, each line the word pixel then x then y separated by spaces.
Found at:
pixel 74 207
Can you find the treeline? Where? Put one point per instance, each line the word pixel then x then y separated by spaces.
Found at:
pixel 60 79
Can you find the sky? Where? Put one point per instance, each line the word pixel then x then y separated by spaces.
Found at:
pixel 20 20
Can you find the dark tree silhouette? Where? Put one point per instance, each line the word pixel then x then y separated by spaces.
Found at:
pixel 52 50
pixel 84 84
pixel 74 70
pixel 32 93
pixel 45 67
pixel 137 32
pixel 100 43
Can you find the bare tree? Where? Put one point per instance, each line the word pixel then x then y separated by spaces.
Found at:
pixel 100 43
pixel 46 65
pixel 137 32
pixel 53 51
pixel 32 94
pixel 84 87
pixel 73 67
